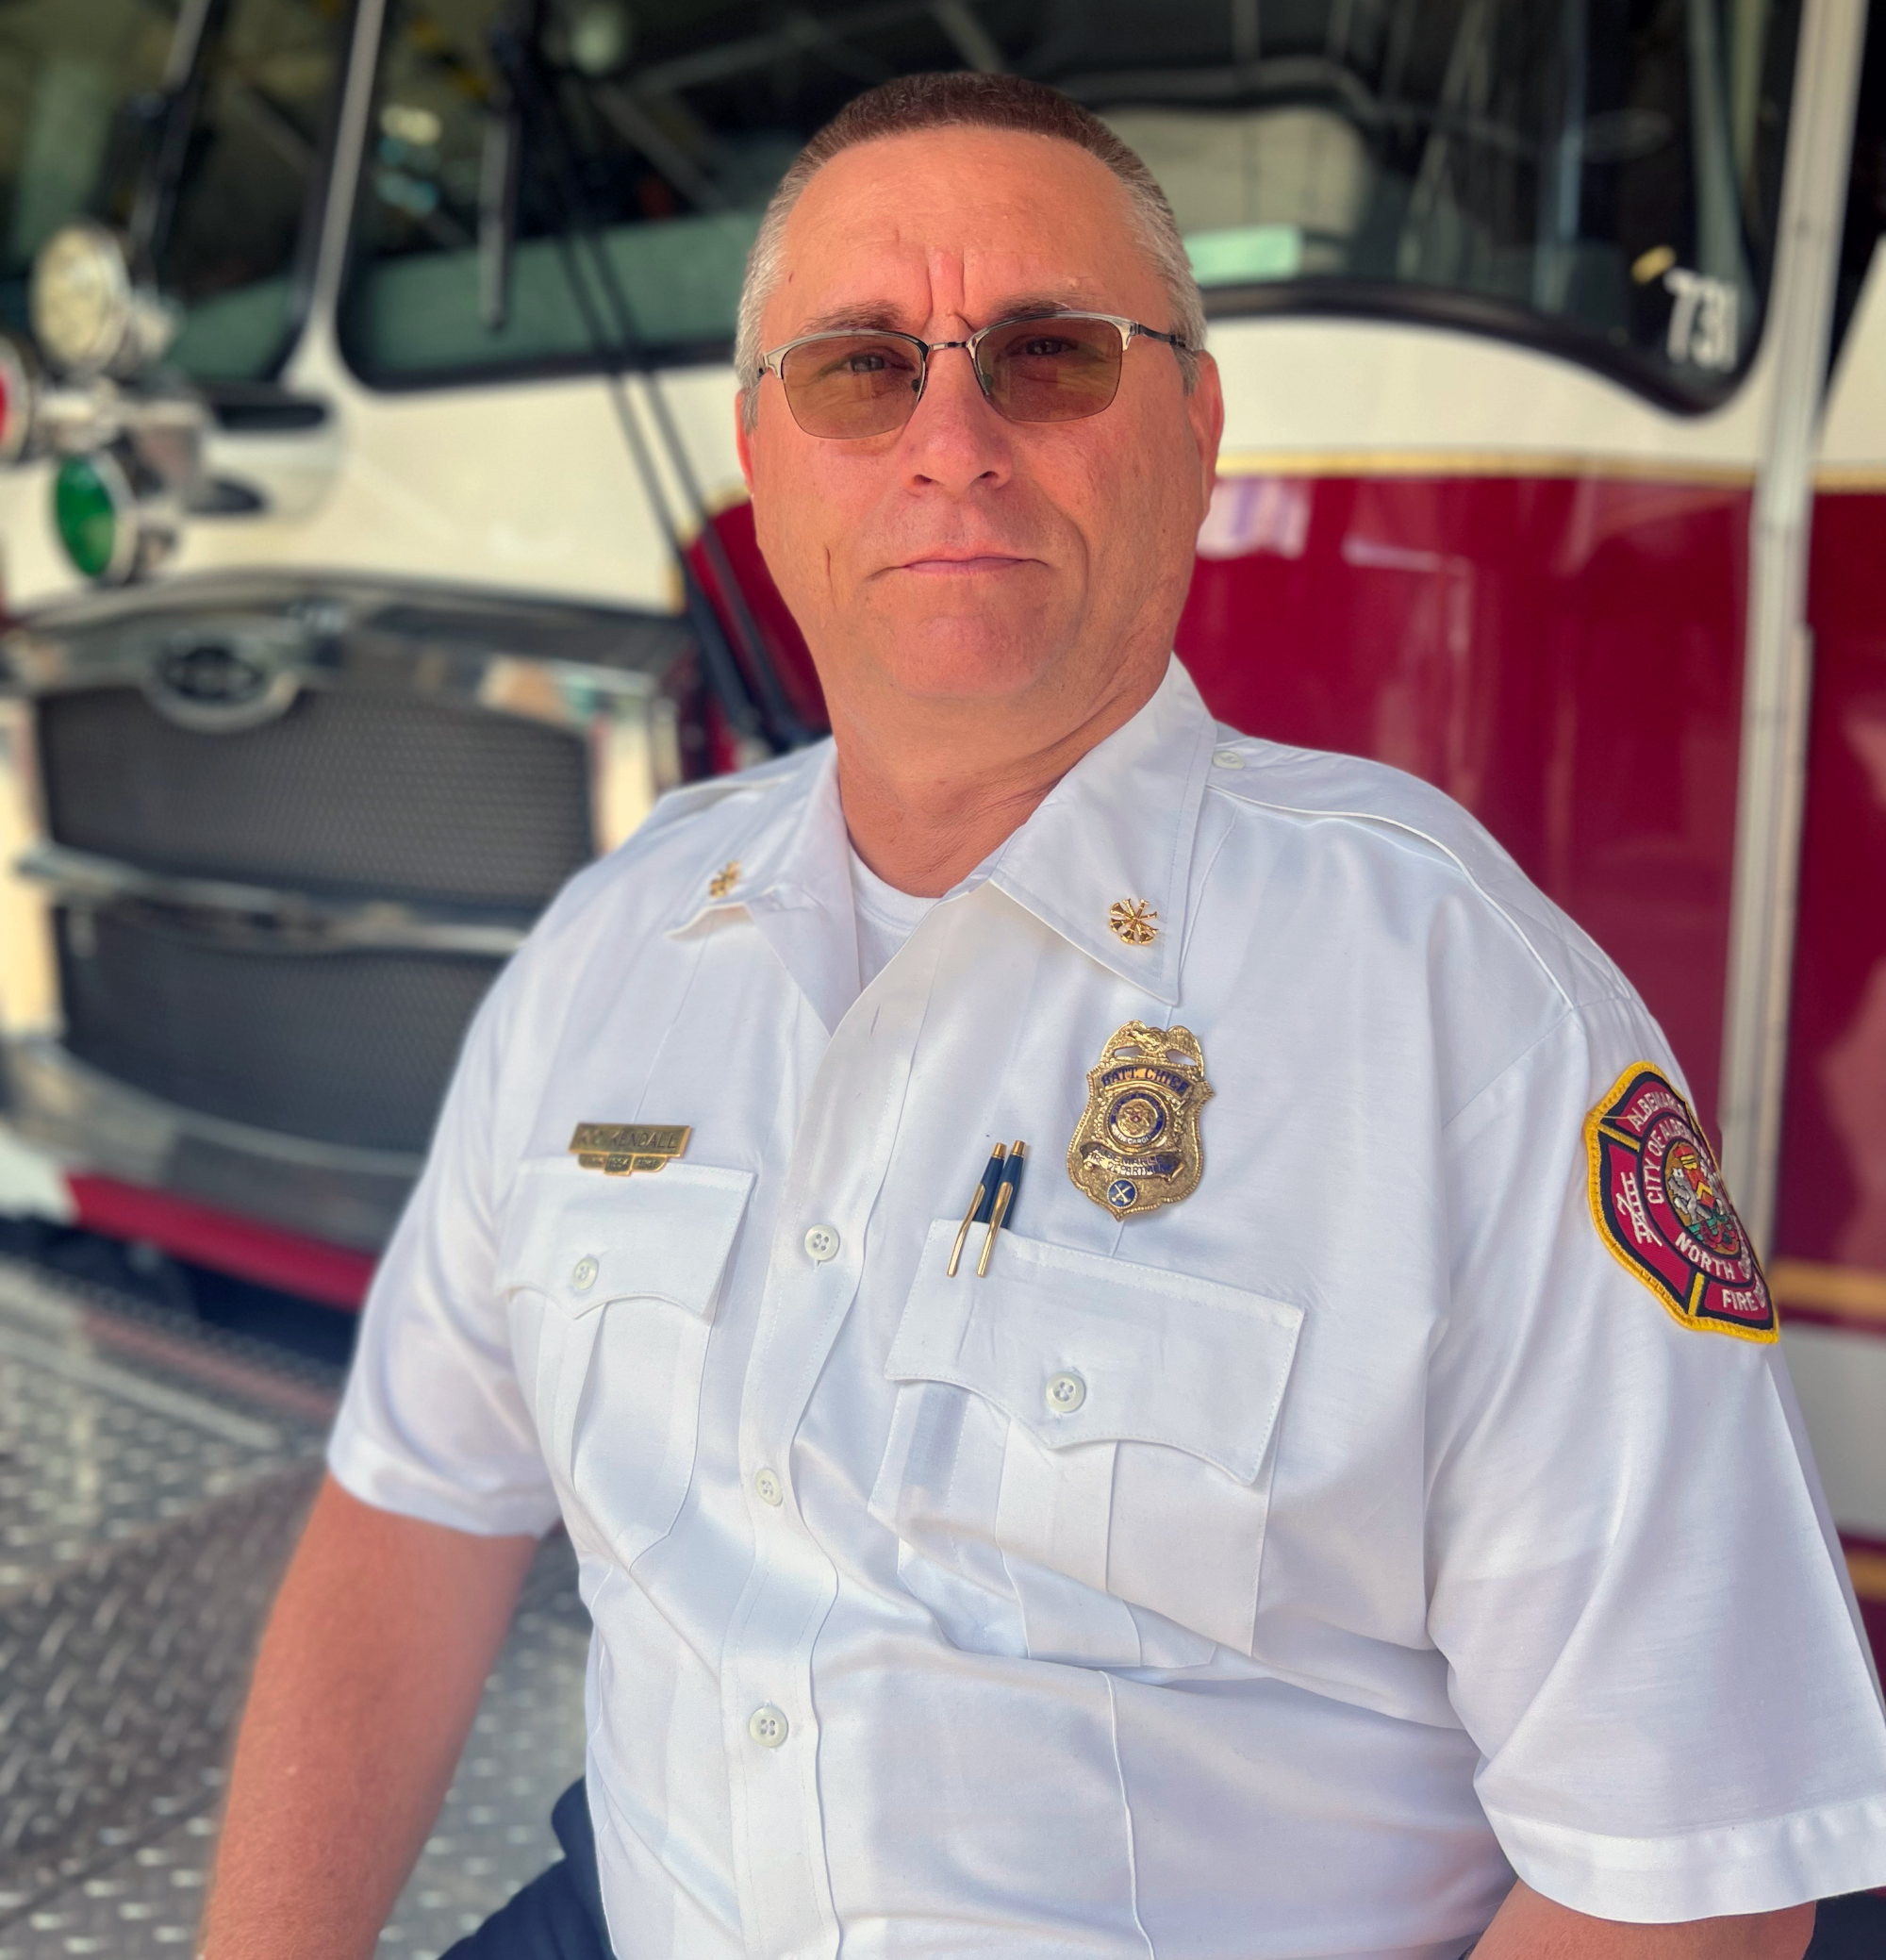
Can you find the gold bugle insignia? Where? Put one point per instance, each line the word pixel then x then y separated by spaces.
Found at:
pixel 1137 1146
pixel 618 1149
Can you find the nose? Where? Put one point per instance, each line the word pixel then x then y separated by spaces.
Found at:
pixel 954 439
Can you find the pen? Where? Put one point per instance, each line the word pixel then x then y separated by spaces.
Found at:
pixel 979 1205
pixel 1011 1183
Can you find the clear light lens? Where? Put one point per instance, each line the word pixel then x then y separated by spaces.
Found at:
pixel 95 514
pixel 81 301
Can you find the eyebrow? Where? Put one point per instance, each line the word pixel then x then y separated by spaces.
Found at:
pixel 882 318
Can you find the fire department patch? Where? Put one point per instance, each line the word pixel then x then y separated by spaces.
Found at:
pixel 1661 1206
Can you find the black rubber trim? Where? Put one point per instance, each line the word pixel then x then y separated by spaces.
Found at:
pixel 223 496
pixel 261 409
pixel 1404 306
pixel 1469 313
pixel 550 367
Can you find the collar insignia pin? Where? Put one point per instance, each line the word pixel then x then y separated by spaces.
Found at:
pixel 1137 1146
pixel 1131 920
pixel 724 879
pixel 619 1149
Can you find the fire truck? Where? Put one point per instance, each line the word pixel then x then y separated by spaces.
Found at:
pixel 375 550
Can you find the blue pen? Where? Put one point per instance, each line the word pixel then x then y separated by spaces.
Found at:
pixel 979 1205
pixel 1011 1183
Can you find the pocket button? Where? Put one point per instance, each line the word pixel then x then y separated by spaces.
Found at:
pixel 1065 1393
pixel 583 1274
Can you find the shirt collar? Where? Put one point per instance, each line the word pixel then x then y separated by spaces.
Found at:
pixel 1116 830
pixel 785 851
pixel 788 869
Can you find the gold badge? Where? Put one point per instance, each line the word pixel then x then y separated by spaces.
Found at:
pixel 724 879
pixel 1131 920
pixel 618 1149
pixel 1137 1146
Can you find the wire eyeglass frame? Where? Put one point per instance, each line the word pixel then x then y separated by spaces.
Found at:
pixel 1129 330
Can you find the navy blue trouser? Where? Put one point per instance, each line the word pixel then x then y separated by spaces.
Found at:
pixel 559 1916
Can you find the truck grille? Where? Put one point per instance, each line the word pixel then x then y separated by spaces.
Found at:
pixel 345 1048
pixel 348 793
pixel 426 766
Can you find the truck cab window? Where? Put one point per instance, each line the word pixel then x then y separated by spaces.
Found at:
pixel 1599 175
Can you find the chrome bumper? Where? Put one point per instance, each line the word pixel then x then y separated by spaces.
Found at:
pixel 92 1124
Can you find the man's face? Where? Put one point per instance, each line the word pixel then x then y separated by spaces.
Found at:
pixel 966 558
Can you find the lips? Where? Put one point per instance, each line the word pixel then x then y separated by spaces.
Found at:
pixel 964 566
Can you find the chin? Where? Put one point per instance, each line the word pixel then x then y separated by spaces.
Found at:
pixel 942 660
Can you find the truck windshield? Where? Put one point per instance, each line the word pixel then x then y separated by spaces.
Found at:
pixel 224 204
pixel 234 242
pixel 1599 175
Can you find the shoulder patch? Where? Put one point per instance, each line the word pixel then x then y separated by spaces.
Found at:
pixel 1660 1204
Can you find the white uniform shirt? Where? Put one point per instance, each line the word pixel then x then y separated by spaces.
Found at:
pixel 1398 1539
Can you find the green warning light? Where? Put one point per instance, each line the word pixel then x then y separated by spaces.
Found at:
pixel 95 514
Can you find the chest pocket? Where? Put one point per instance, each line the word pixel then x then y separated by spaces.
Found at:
pixel 610 1289
pixel 1079 1465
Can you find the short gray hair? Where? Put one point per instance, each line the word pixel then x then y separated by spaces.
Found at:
pixel 969 101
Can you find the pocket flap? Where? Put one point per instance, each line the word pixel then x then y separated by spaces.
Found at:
pixel 582 1237
pixel 1158 1357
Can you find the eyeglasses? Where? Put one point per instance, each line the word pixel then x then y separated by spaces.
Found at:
pixel 854 382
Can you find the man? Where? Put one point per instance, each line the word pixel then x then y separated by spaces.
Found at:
pixel 1305 1515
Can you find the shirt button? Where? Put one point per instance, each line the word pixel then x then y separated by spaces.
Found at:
pixel 1065 1393
pixel 821 1243
pixel 770 1489
pixel 583 1274
pixel 767 1726
pixel 1226 758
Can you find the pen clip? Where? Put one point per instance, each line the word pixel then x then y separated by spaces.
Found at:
pixel 980 1205
pixel 1011 1183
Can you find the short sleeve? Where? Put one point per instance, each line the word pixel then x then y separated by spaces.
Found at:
pixel 1634 1577
pixel 434 1423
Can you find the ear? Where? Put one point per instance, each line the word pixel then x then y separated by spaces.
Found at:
pixel 1207 410
pixel 743 440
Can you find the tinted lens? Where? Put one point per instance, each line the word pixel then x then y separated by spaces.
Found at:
pixel 1053 370
pixel 850 384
